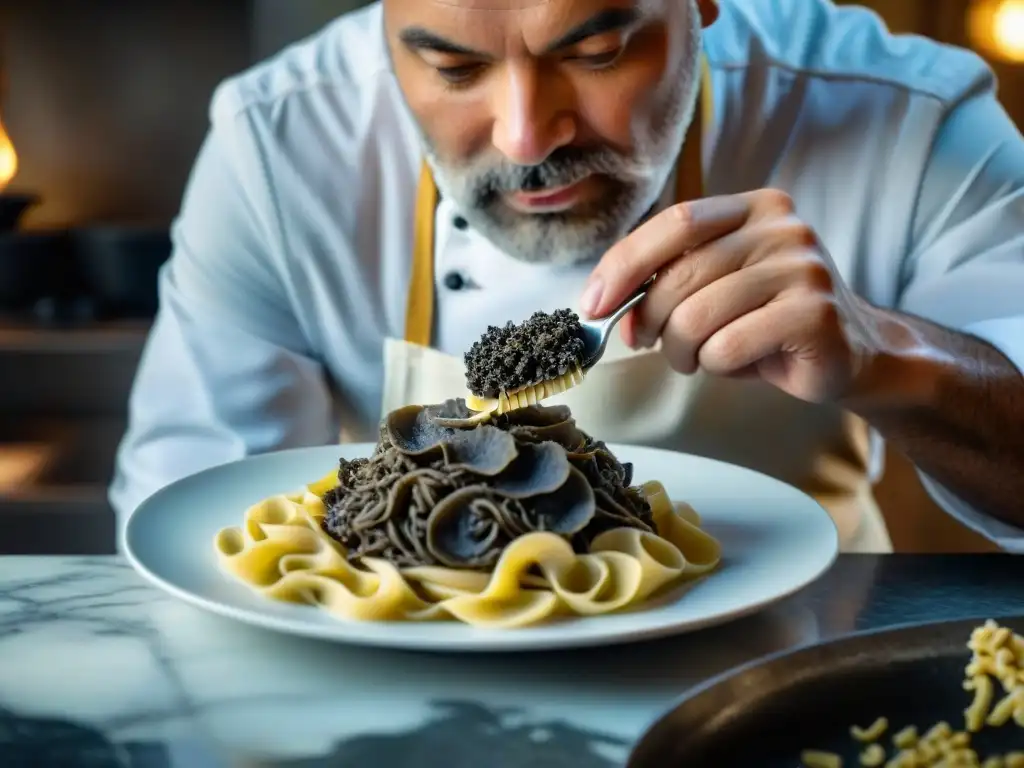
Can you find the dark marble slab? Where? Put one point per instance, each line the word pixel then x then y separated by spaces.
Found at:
pixel 99 669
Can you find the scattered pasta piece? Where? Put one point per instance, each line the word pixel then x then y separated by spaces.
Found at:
pixel 872 756
pixel 1002 711
pixel 940 730
pixel 906 738
pixel 872 733
pixel 975 714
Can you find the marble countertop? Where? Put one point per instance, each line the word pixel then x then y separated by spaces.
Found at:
pixel 99 669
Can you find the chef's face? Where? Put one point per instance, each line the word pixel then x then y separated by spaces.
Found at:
pixel 552 124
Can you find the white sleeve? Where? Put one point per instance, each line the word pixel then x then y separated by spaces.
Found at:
pixel 966 269
pixel 226 371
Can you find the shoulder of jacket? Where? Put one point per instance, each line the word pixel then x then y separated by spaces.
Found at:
pixel 344 59
pixel 818 39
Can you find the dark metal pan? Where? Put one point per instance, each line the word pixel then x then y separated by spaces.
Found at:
pixel 767 712
pixel 120 266
pixel 33 266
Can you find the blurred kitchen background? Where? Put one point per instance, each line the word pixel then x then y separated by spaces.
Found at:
pixel 103 107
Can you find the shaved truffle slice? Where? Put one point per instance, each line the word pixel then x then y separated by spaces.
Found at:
pixel 538 423
pixel 485 450
pixel 455 414
pixel 538 416
pixel 463 529
pixel 413 432
pixel 538 469
pixel 509 358
pixel 567 510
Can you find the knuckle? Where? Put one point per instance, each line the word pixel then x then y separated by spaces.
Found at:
pixel 680 323
pixel 722 351
pixel 777 200
pixel 814 275
pixel 681 215
pixel 687 320
pixel 799 233
pixel 825 312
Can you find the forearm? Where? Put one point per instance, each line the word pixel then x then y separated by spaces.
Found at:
pixel 954 405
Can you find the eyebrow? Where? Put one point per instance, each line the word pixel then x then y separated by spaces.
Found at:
pixel 610 20
pixel 420 39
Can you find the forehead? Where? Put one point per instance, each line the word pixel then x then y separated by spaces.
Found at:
pixel 502 25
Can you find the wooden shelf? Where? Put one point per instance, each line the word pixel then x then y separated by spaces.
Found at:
pixel 121 336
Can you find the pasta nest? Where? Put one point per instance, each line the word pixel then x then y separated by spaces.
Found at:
pixel 505 524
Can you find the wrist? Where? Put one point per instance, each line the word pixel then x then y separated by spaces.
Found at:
pixel 901 369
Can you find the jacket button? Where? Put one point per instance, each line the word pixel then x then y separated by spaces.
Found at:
pixel 453 281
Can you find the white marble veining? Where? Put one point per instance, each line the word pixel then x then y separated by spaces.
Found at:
pixel 85 640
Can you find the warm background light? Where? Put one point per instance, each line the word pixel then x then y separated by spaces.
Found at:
pixel 8 158
pixel 996 28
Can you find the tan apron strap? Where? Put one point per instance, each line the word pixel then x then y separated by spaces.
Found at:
pixel 419 312
pixel 419 308
pixel 690 168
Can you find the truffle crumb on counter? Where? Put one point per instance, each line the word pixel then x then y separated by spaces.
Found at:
pixel 515 356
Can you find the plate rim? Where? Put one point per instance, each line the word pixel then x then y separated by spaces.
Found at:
pixel 502 641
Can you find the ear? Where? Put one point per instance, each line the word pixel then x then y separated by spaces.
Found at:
pixel 708 11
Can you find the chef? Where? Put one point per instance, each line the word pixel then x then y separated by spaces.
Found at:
pixel 835 216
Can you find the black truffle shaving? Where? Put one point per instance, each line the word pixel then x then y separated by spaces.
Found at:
pixel 505 359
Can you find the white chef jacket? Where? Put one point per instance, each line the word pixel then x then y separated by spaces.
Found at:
pixel 293 246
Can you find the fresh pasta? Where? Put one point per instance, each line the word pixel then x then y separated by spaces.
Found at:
pixel 503 524
pixel 872 733
pixel 997 661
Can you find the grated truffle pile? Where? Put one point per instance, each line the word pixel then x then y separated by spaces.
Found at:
pixel 515 356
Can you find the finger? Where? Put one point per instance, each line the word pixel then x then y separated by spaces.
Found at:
pixel 770 202
pixel 654 244
pixel 702 266
pixel 627 329
pixel 785 326
pixel 691 323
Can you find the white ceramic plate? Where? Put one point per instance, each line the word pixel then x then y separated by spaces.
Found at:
pixel 775 540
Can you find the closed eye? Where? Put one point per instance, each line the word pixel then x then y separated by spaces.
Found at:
pixel 600 60
pixel 462 73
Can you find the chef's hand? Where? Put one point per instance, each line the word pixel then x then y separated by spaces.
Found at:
pixel 743 288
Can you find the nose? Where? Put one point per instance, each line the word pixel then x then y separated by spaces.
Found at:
pixel 531 122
